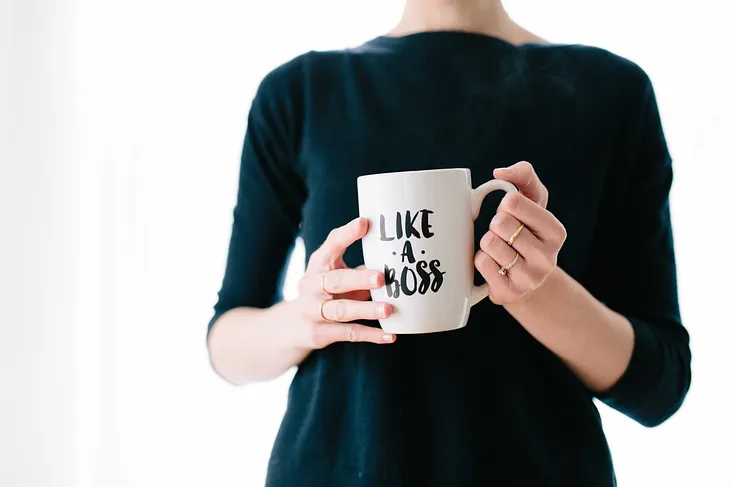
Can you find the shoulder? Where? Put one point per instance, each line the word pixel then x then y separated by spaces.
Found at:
pixel 623 89
pixel 597 65
pixel 291 81
pixel 597 77
pixel 279 84
pixel 298 69
pixel 590 57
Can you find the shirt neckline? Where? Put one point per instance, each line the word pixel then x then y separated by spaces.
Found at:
pixel 442 39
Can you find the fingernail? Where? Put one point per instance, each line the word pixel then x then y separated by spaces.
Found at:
pixel 387 337
pixel 381 310
pixel 504 171
pixel 374 279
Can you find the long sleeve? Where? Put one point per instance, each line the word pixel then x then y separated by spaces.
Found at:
pixel 271 193
pixel 635 272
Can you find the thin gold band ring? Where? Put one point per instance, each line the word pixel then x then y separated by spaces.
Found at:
pixel 503 270
pixel 321 285
pixel 514 236
pixel 321 311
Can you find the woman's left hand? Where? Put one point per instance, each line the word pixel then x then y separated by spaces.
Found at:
pixel 535 247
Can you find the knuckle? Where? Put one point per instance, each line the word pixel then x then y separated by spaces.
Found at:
pixel 526 165
pixel 334 280
pixel 351 334
pixel 552 261
pixel 562 233
pixel 559 232
pixel 544 264
pixel 526 171
pixel 511 201
pixel 480 261
pixel 489 240
pixel 339 310
pixel 371 335
pixel 317 336
pixel 545 197
pixel 499 222
pixel 482 245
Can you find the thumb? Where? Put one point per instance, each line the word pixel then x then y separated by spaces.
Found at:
pixel 523 176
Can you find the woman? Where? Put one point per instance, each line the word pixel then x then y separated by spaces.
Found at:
pixel 508 400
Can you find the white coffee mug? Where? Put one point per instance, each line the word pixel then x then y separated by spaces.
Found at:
pixel 422 237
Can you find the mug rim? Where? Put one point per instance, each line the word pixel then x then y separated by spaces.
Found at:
pixel 417 171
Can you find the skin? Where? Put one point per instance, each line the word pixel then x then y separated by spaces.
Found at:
pixel 595 342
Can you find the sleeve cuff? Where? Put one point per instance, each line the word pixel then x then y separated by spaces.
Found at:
pixel 631 394
pixel 211 323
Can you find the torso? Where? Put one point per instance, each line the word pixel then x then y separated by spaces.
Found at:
pixel 485 405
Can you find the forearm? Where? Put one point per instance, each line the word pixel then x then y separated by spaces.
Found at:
pixel 595 342
pixel 248 344
pixel 639 362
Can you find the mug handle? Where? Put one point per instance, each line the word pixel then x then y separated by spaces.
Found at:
pixel 477 197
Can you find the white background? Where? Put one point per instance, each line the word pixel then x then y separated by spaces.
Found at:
pixel 120 132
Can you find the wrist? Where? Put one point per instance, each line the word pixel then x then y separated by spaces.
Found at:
pixel 537 296
pixel 295 329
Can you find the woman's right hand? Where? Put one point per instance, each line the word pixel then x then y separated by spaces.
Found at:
pixel 332 295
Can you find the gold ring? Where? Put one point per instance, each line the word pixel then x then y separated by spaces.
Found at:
pixel 321 311
pixel 321 285
pixel 503 270
pixel 514 236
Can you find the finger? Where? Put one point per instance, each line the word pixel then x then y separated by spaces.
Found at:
pixel 537 259
pixel 359 295
pixel 489 269
pixel 523 176
pixel 345 310
pixel 537 219
pixel 341 281
pixel 337 241
pixel 504 255
pixel 526 243
pixel 328 333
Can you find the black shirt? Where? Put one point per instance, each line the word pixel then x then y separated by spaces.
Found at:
pixel 486 405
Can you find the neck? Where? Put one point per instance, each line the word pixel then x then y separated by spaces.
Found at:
pixel 479 16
